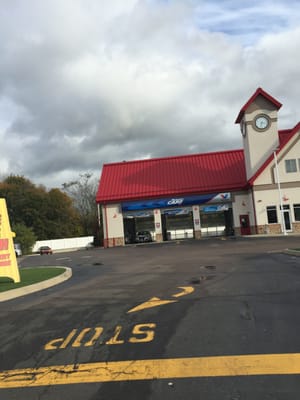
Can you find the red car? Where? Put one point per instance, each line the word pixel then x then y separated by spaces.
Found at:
pixel 45 250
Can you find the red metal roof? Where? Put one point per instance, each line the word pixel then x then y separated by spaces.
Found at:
pixel 285 135
pixel 171 176
pixel 259 91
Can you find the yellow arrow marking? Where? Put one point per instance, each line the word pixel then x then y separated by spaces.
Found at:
pixel 246 365
pixel 153 302
pixel 156 301
pixel 185 291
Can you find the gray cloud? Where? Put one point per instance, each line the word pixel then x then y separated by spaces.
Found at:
pixel 84 82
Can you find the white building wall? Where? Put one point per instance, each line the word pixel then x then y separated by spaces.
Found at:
pixel 265 198
pixel 292 153
pixel 271 196
pixel 113 225
pixel 196 218
pixel 197 222
pixel 242 205
pixel 157 224
pixel 269 175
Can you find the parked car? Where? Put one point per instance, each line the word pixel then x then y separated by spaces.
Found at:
pixel 143 236
pixel 45 250
pixel 18 249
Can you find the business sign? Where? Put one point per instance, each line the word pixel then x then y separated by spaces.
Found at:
pixel 177 211
pixel 215 208
pixel 138 214
pixel 8 261
pixel 175 201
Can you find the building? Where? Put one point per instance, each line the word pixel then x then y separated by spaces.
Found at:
pixel 254 190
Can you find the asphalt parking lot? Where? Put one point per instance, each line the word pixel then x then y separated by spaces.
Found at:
pixel 211 319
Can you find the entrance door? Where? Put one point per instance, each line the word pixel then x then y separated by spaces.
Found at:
pixel 287 220
pixel 245 225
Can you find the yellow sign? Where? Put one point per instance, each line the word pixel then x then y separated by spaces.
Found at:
pixel 8 261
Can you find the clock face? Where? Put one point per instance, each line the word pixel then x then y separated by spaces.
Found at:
pixel 262 122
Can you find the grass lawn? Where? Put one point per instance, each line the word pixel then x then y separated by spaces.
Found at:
pixel 29 276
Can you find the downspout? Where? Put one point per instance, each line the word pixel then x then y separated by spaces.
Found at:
pixel 99 215
pixel 99 221
pixel 254 210
pixel 106 244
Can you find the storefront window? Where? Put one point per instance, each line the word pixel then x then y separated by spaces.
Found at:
pixel 297 212
pixel 272 215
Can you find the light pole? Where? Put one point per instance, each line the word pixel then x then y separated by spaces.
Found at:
pixel 280 195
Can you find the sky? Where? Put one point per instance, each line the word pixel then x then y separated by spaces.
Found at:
pixel 88 82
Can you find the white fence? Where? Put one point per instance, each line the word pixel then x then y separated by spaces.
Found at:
pixel 63 244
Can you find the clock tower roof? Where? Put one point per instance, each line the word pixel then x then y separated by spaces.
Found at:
pixel 259 92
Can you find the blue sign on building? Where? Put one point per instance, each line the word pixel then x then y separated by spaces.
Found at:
pixel 175 201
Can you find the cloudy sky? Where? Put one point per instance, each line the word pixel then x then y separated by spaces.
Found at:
pixel 87 82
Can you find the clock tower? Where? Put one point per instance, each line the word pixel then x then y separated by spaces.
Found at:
pixel 258 122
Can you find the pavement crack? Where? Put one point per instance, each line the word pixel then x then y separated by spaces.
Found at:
pixel 71 371
pixel 21 376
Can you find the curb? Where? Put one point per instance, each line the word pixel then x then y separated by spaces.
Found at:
pixel 36 287
pixel 292 252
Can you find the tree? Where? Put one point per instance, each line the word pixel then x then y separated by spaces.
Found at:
pixel 63 219
pixel 50 214
pixel 83 192
pixel 25 236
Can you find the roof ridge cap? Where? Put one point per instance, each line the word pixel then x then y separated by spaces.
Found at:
pixel 173 157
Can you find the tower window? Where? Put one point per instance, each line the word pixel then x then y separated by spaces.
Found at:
pixel 290 165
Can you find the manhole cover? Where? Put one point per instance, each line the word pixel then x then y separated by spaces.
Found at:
pixel 97 263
